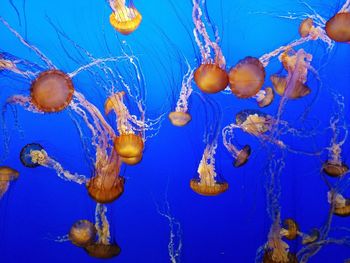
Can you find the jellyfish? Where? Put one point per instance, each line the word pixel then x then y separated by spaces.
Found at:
pixel 7 174
pixel 247 77
pixel 264 97
pixel 334 166
pixel 82 233
pixel 33 155
pixel 340 203
pixel 338 26
pixel 277 251
pixel 180 117
pixel 125 19
pixel 103 248
pixel 291 231
pixel 210 76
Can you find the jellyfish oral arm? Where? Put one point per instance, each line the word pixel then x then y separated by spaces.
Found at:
pixel 102 224
pixel 4 185
pixel 186 91
pixel 345 8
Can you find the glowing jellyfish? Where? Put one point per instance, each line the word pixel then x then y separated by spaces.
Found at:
pixel 180 117
pixel 128 144
pixel 210 76
pixel 340 203
pixel 247 77
pixel 7 174
pixel 82 233
pixel 26 156
pixel 102 248
pixel 207 184
pixel 125 19
pixel 52 91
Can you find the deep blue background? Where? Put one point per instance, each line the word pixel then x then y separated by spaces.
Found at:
pixel 229 228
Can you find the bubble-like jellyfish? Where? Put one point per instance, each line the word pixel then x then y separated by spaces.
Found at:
pixel 334 166
pixel 82 233
pixel 208 184
pixel 124 18
pixel 247 77
pixel 340 203
pixel 338 26
pixel 103 248
pixel 180 117
pixel 210 76
pixel 33 155
pixel 7 174
pixel 276 250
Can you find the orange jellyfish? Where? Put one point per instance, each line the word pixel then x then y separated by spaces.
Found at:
pixel 338 27
pixel 265 97
pixel 82 233
pixel 340 203
pixel 128 144
pixel 207 184
pixel 210 76
pixel 180 117
pixel 7 174
pixel 247 77
pixel 291 231
pixel 52 91
pixel 102 248
pixel 123 18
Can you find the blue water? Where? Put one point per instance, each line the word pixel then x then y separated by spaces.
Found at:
pixel 40 207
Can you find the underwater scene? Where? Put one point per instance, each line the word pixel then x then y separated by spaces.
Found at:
pixel 175 131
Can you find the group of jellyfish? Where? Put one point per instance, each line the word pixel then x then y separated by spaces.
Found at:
pixel 52 90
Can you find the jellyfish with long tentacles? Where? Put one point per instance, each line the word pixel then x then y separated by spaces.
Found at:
pixel 7 174
pixel 103 248
pixel 334 166
pixel 180 117
pixel 338 26
pixel 210 76
pixel 124 18
pixel 208 183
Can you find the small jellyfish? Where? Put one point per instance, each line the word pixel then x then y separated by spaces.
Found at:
pixel 129 145
pixel 7 174
pixel 179 118
pixel 83 233
pixel 265 97
pixel 52 91
pixel 210 78
pixel 338 27
pixel 123 18
pixel 247 77
pixel 279 83
pixel 26 155
pixel 291 231
pixel 102 248
pixel 254 122
pixel 207 184
pixel 341 204
pixel 306 27
pixel 310 238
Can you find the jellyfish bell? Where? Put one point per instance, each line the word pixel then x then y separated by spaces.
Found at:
pixel 343 211
pixel 267 98
pixel 334 169
pixel 208 190
pixel 124 19
pixel 290 229
pixel 242 156
pixel 129 145
pixel 82 233
pixel 247 77
pixel 312 237
pixel 280 84
pixel 340 204
pixel 52 91
pixel 179 118
pixel 7 174
pixel 103 251
pixel 210 78
pixel 105 188
pixel 25 155
pixel 338 27
pixel 305 27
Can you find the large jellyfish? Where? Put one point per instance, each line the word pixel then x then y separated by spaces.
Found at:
pixel 210 76
pixel 338 26
pixel 7 174
pixel 124 18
